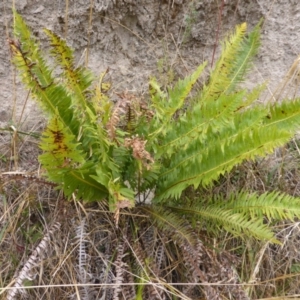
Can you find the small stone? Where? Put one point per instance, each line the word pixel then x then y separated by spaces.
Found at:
pixel 39 9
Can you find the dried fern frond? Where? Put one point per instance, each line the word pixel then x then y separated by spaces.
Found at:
pixel 81 236
pixel 139 152
pixel 119 266
pixel 24 176
pixel 119 110
pixel 37 255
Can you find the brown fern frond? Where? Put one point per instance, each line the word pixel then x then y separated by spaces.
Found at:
pixel 81 236
pixel 130 119
pixel 145 111
pixel 132 111
pixel 155 248
pixel 146 264
pixel 204 265
pixel 26 272
pixel 107 277
pixel 136 110
pixel 192 259
pixel 126 113
pixel 25 176
pixel 119 110
pixel 139 152
pixel 128 291
pixel 149 240
pixel 220 268
pixel 160 256
pixel 227 273
pixel 119 267
pixel 113 122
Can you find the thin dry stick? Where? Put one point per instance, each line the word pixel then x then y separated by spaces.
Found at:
pixel 66 19
pixel 252 278
pixel 178 53
pixel 129 30
pixel 89 33
pixel 14 152
pixel 218 32
pixel 291 79
pixel 23 108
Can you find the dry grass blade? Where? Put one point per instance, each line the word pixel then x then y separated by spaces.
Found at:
pixel 289 87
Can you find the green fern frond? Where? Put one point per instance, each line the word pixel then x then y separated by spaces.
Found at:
pixel 218 102
pixel 77 79
pixel 74 143
pixel 236 223
pixel 167 221
pixel 37 76
pixel 60 151
pixel 284 115
pixel 83 185
pixel 28 53
pixel 222 129
pixel 91 149
pixel 223 74
pixel 234 116
pixel 66 164
pixel 203 164
pixel 167 106
pixel 237 53
pixel 189 128
pixel 85 106
pixel 243 60
pixel 68 97
pixel 273 205
pixel 100 100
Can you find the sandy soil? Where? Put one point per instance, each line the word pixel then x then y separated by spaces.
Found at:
pixel 138 38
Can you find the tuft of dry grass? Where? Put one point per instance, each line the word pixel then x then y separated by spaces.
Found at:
pixel 29 208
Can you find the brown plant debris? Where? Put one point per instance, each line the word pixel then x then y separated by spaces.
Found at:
pixel 139 152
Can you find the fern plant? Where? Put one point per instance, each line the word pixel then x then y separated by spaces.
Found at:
pixel 96 149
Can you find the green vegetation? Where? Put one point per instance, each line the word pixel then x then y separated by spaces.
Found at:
pixel 179 140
